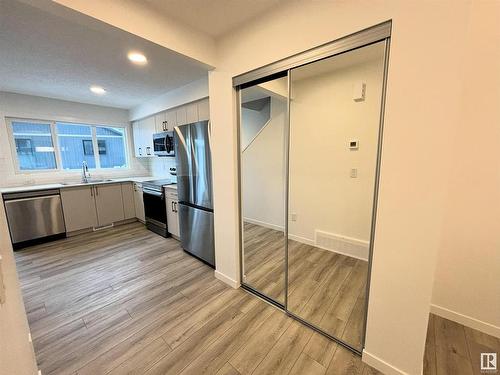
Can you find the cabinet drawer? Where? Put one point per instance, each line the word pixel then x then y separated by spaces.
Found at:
pixel 171 193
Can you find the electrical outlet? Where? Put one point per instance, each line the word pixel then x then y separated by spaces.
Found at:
pixel 293 217
pixel 354 173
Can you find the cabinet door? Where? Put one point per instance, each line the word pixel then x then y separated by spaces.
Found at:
pixel 160 122
pixel 181 116
pixel 79 208
pixel 171 118
pixel 203 110
pixel 128 200
pixel 139 203
pixel 137 136
pixel 109 203
pixel 172 217
pixel 191 113
pixel 148 129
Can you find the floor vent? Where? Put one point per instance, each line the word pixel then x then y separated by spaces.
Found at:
pixel 349 246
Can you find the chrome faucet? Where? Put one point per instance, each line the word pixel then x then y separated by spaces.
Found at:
pixel 85 172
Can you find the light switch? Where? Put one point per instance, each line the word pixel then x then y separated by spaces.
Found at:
pixel 354 172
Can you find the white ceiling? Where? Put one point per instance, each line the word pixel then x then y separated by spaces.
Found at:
pixel 213 17
pixel 59 53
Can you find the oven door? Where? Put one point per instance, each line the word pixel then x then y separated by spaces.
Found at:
pixel 154 207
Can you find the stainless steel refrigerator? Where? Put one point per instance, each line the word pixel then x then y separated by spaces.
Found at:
pixel 194 190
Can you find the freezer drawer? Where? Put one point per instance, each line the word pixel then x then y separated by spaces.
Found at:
pixel 34 217
pixel 197 232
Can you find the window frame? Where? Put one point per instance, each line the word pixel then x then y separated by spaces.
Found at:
pixel 55 142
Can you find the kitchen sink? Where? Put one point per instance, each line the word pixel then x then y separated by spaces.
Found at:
pixel 89 181
pixel 92 180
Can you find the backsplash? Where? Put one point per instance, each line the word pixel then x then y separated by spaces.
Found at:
pixel 160 167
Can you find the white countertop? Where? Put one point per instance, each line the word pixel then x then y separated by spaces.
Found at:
pixel 23 188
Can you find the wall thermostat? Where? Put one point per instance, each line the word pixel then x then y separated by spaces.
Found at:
pixel 353 144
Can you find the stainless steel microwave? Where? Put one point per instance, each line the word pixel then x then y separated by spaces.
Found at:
pixel 163 144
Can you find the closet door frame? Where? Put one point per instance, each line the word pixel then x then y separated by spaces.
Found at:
pixel 363 38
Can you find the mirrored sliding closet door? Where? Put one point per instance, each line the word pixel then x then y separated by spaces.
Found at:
pixel 310 133
pixel 263 129
pixel 335 109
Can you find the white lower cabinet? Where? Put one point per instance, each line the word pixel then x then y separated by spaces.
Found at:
pixel 139 202
pixel 92 206
pixel 109 203
pixel 79 208
pixel 172 213
pixel 128 200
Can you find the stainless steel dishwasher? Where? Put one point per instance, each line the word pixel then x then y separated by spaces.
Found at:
pixel 34 216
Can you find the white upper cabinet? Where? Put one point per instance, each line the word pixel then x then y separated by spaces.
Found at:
pixel 191 113
pixel 171 118
pixel 144 129
pixel 203 110
pixel 161 122
pixel 181 115
pixel 137 136
pixel 148 129
pixel 142 132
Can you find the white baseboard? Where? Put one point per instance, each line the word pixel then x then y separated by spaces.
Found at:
pixel 304 240
pixel 381 365
pixel 360 250
pixel 350 246
pixel 226 279
pixel 264 224
pixel 466 320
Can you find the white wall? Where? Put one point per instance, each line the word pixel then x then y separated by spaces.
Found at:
pixel 467 283
pixel 26 106
pixel 16 351
pixel 253 121
pixel 224 172
pixel 262 172
pixel 160 167
pixel 189 93
pixel 323 118
pixel 421 111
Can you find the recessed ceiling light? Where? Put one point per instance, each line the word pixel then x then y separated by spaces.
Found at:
pixel 97 90
pixel 137 58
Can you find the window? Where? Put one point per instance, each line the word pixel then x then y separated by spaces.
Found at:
pixel 99 146
pixel 111 146
pixel 75 145
pixel 34 146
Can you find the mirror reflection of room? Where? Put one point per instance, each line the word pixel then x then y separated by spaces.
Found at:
pixel 262 135
pixel 334 128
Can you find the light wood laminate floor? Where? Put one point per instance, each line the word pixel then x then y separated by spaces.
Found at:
pixel 454 349
pixel 326 289
pixel 126 300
